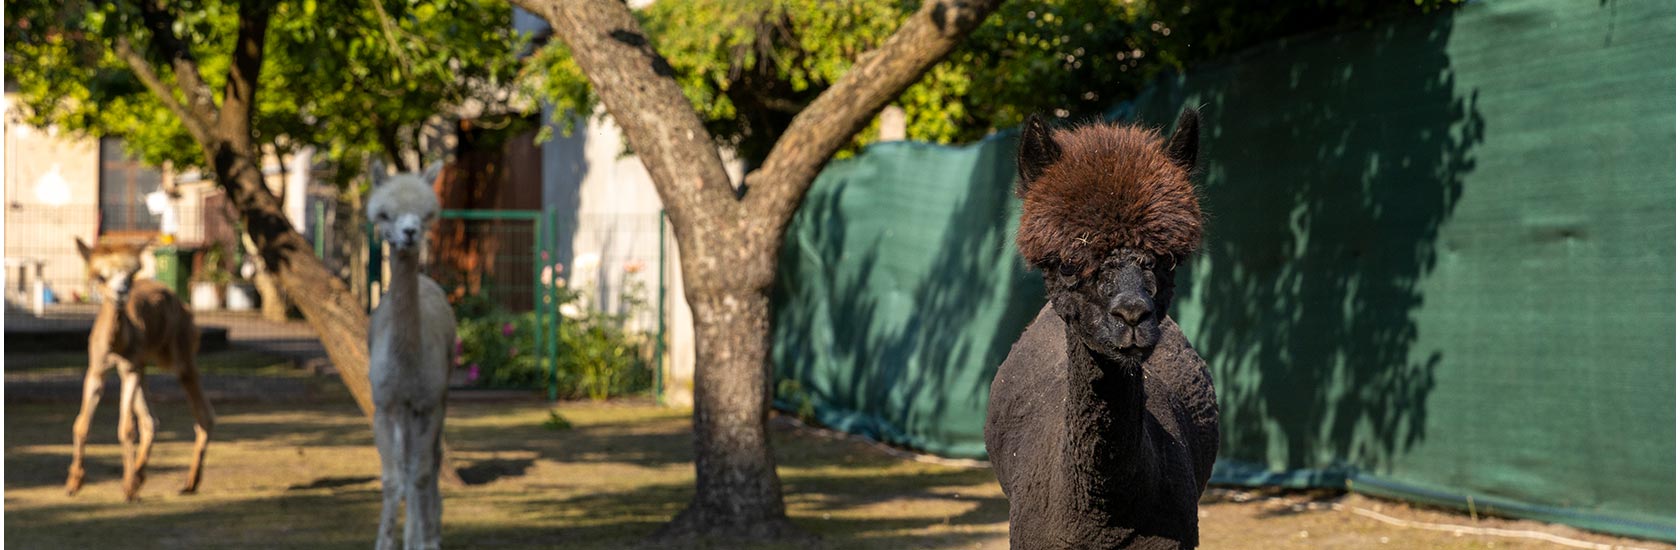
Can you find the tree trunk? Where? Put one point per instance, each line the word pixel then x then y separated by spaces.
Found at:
pixel 327 304
pixel 274 304
pixel 738 494
pixel 728 242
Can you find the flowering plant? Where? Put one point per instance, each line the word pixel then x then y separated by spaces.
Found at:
pixel 599 355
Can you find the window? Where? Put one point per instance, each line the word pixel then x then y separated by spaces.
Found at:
pixel 123 185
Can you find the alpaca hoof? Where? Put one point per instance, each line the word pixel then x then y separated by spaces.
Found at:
pixel 73 485
pixel 189 490
pixel 131 488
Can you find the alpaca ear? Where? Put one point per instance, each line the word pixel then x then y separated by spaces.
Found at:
pixel 1185 139
pixel 83 249
pixel 376 172
pixel 430 176
pixel 1038 151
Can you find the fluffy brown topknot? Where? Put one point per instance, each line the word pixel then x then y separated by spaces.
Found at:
pixel 1088 190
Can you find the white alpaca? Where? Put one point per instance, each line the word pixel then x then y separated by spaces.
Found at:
pixel 409 341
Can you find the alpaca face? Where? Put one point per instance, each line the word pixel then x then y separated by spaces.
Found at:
pixel 112 269
pixel 403 205
pixel 1107 211
pixel 1114 308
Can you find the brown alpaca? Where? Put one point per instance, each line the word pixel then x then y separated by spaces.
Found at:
pixel 1102 425
pixel 138 321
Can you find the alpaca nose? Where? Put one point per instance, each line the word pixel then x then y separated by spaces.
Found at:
pixel 408 232
pixel 1131 308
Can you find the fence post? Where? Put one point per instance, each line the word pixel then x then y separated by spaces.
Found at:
pixel 539 313
pixel 320 230
pixel 659 341
pixel 551 303
pixel 376 261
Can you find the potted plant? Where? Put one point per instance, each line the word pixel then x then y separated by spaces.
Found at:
pixel 210 280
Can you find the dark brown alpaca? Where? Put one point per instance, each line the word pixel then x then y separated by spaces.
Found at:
pixel 1102 425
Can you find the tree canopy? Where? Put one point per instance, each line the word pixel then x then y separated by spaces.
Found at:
pixel 350 79
pixel 749 66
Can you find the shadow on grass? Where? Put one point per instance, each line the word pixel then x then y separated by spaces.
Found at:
pixel 486 471
pixel 333 483
pixel 625 519
pixel 648 442
pixel 29 469
pixel 337 520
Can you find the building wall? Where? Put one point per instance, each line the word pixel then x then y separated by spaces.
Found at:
pixel 51 196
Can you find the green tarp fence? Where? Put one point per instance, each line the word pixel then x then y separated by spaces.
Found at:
pixel 1439 266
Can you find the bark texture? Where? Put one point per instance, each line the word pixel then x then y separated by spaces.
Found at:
pixel 728 238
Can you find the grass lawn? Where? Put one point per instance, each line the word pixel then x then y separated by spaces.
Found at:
pixel 303 474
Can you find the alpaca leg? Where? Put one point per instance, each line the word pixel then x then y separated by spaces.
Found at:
pixel 415 455
pixel 428 452
pixel 93 386
pixel 204 418
pixel 414 532
pixel 148 428
pixel 130 378
pixel 388 439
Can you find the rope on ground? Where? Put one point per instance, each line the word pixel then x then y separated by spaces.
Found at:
pixel 1482 531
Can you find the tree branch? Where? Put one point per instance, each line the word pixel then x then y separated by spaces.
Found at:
pixel 165 45
pixel 637 87
pixel 846 108
pixel 142 68
pixel 239 95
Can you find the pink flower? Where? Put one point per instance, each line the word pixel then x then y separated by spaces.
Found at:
pixel 472 372
pixel 507 329
pixel 545 255
pixel 457 346
pixel 513 351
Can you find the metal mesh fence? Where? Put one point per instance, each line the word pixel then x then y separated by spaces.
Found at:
pixel 536 293
pixel 245 323
pixel 528 318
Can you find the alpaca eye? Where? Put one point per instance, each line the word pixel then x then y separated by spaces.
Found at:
pixel 1067 269
pixel 384 217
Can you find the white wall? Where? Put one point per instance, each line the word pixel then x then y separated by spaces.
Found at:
pixel 51 197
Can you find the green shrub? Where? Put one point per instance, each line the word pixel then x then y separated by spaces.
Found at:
pixel 498 349
pixel 793 393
